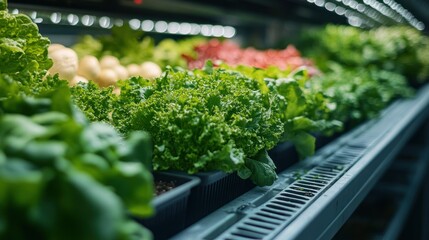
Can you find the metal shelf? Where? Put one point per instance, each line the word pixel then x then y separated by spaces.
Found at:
pixel 387 209
pixel 313 199
pixel 400 217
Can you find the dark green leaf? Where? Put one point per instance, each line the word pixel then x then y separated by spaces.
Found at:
pixel 262 168
pixel 100 211
pixel 133 183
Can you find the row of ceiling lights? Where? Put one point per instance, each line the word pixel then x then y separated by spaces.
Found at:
pixel 405 14
pixel 354 18
pixel 106 22
pixel 366 13
pixel 370 13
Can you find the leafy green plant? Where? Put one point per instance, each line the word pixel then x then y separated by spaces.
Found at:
pixel 399 49
pixel 95 102
pixel 216 119
pixel 306 110
pixel 61 177
pixel 360 94
pixel 208 119
pixel 128 45
pixel 132 46
pixel 23 50
pixel 51 157
pixel 170 52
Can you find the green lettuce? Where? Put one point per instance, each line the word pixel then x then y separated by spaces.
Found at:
pixel 24 51
pixel 306 110
pixel 399 49
pixel 132 46
pixel 128 45
pixel 96 102
pixel 360 94
pixel 171 52
pixel 3 5
pixel 209 119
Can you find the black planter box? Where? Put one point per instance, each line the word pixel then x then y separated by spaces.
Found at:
pixel 215 189
pixel 170 207
pixel 283 155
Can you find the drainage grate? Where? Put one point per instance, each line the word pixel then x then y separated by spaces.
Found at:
pixel 268 219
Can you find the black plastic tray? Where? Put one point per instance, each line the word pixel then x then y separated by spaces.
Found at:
pixel 170 207
pixel 215 189
pixel 283 155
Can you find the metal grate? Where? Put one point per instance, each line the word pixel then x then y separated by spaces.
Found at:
pixel 266 220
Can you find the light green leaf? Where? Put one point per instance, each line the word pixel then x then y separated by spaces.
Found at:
pixel 305 144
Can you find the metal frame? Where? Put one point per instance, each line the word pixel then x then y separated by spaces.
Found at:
pixel 419 169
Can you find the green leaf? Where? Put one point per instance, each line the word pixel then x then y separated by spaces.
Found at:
pixel 61 100
pixel 20 183
pixel 3 5
pixel 208 67
pixel 27 105
pixel 20 128
pixel 23 49
pixel 131 230
pixel 100 211
pixel 303 124
pixel 97 103
pixel 50 118
pixel 2 157
pixel 45 152
pixel 262 156
pixel 296 102
pixel 140 149
pixel 244 172
pixel 133 183
pixel 93 165
pixel 100 137
pixel 305 144
pixel 262 168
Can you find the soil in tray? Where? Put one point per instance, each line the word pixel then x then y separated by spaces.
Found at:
pixel 162 186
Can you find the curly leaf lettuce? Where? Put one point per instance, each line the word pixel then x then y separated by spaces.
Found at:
pixel 3 5
pixel 210 119
pixel 96 102
pixel 305 110
pixel 23 50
